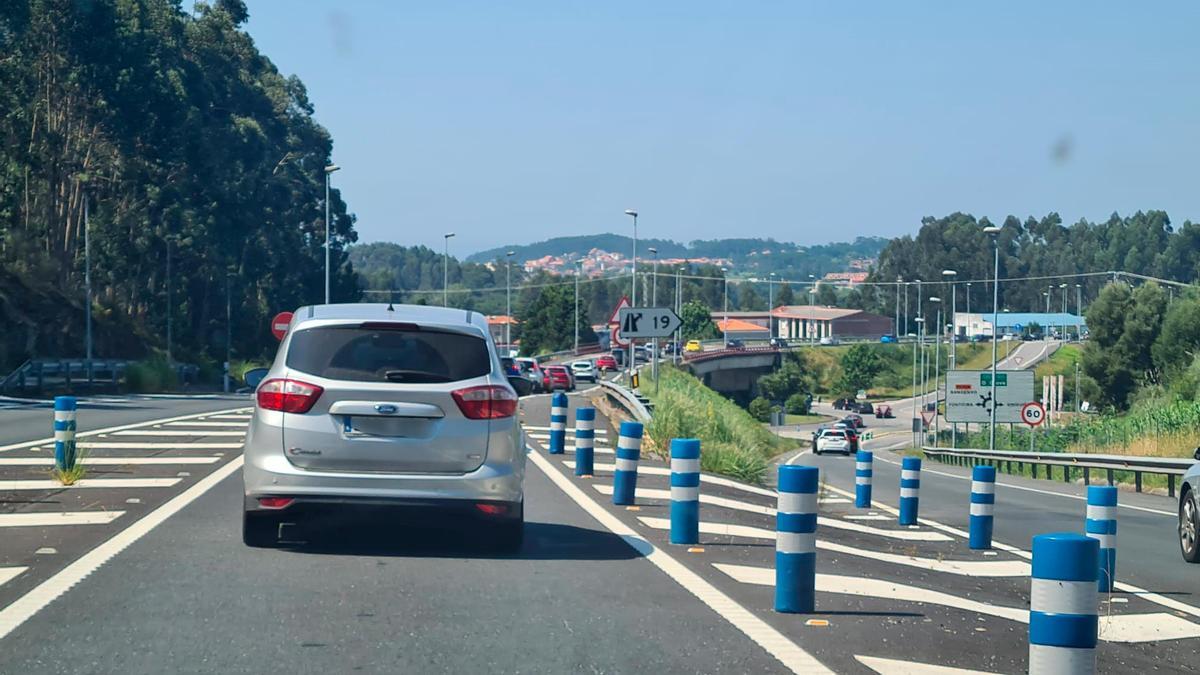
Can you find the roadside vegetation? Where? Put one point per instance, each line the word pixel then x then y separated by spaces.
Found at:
pixel 732 442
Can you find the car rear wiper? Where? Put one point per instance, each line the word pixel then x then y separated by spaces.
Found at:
pixel 414 376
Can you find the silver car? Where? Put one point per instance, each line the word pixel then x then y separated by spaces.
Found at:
pixel 371 405
pixel 583 370
pixel 1189 513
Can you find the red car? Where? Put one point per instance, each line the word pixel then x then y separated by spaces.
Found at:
pixel 558 377
pixel 606 362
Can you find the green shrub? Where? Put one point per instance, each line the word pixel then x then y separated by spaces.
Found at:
pixel 797 404
pixel 149 376
pixel 760 409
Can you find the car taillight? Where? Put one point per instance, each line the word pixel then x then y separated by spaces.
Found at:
pixel 288 395
pixel 486 402
pixel 275 502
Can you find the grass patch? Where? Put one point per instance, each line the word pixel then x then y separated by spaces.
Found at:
pixel 805 419
pixel 732 442
pixel 69 476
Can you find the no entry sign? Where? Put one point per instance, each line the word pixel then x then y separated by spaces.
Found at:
pixel 279 325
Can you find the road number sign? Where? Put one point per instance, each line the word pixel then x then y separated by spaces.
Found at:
pixel 279 325
pixel 646 322
pixel 1033 414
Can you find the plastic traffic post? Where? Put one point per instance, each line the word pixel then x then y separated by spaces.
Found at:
pixel 64 432
pixel 629 451
pixel 585 435
pixel 685 491
pixel 558 424
pixel 862 478
pixel 796 539
pixel 1063 621
pixel 1101 525
pixel 910 489
pixel 983 504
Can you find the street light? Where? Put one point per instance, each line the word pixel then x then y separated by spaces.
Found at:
pixel 1078 313
pixel 633 214
pixel 328 172
pixel 169 238
pixel 654 276
pixel 812 293
pixel 995 234
pixel 725 323
pixel 896 324
pixel 578 273
pixel 87 282
pixel 950 276
pixel 937 357
pixel 508 299
pixel 1063 286
pixel 919 343
pixel 229 272
pixel 446 270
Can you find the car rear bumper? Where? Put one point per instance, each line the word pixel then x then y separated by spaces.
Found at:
pixel 396 511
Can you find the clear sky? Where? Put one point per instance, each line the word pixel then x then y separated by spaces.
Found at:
pixel 510 122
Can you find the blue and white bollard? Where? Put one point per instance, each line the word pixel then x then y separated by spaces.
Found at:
pixel 629 451
pixel 910 489
pixel 983 505
pixel 1063 621
pixel 685 491
pixel 64 432
pixel 796 539
pixel 1101 525
pixel 863 461
pixel 585 440
pixel 558 424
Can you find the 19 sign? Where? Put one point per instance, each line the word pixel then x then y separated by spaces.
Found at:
pixel 1033 414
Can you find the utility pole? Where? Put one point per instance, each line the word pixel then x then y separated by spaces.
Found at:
pixel 896 325
pixel 170 362
pixel 508 303
pixel 725 323
pixel 446 270
pixel 329 169
pixel 87 281
pixel 1063 286
pixel 937 360
pixel 578 273
pixel 917 344
pixel 633 289
pixel 906 308
pixel 995 232
pixel 229 272
pixel 1078 312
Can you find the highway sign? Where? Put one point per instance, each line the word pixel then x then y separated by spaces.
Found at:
pixel 1033 414
pixel 279 325
pixel 969 395
pixel 646 322
pixel 623 304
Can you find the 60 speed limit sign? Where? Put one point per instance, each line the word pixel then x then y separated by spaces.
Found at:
pixel 1033 414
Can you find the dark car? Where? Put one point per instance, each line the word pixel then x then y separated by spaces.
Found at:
pixel 863 408
pixel 735 344
pixel 510 366
pixel 1032 337
pixel 854 421
pixel 778 343
pixel 842 404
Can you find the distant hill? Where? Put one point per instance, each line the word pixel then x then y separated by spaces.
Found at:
pixel 749 255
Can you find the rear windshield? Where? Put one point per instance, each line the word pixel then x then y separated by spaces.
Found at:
pixel 404 356
pixel 835 434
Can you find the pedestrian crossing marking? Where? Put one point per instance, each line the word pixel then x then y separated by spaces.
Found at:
pixel 58 518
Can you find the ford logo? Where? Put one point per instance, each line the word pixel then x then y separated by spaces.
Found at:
pixel 386 409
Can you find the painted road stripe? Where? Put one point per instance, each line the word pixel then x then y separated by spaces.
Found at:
pixel 226 417
pixel 32 602
pixel 775 643
pixel 7 574
pixel 897 667
pixel 531 427
pixel 177 445
pixel 663 471
pixel 109 461
pixel 1130 628
pixel 61 518
pixel 109 430
pixel 177 432
pixel 873 516
pixel 87 483
pixel 206 424
pixel 546 437
pixel 1144 594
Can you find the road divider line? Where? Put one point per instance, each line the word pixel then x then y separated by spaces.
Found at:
pixel 245 417
pixel 110 461
pixel 119 445
pixel 1128 628
pixel 775 643
pixel 109 430
pixel 543 432
pixel 17 613
pixel 206 425
pixel 705 478
pixel 7 574
pixel 896 667
pixel 113 483
pixel 177 432
pixel 58 518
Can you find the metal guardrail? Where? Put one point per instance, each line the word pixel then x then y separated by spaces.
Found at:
pixel 627 400
pixel 1068 461
pixel 692 357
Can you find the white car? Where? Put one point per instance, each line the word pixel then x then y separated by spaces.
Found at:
pixel 833 440
pixel 584 370
pixel 829 341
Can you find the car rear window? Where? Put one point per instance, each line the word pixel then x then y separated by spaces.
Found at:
pixel 404 355
pixel 835 434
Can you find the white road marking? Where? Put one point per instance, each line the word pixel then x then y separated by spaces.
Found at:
pixel 1130 628
pixel 61 518
pixel 663 471
pixel 570 437
pixel 871 517
pixel 177 445
pixel 109 430
pixel 775 643
pixel 1051 493
pixel 87 483
pixel 226 417
pixel 32 602
pixel 225 425
pixel 570 430
pixel 177 432
pixel 596 450
pixel 896 667
pixel 7 574
pixel 109 461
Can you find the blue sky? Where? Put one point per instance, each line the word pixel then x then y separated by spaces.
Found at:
pixel 807 122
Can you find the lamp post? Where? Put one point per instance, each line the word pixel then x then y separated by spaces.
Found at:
pixel 578 273
pixel 1063 286
pixel 1049 290
pixel 937 358
pixel 950 275
pixel 677 356
pixel 896 324
pixel 725 310
pixel 229 272
pixel 906 333
pixel 812 293
pixel 1078 312
pixel 508 301
pixel 654 277
pixel 770 296
pixel 329 169
pixel 87 282
pixel 169 238
pixel 446 269
pixel 968 298
pixel 995 234
pixel 918 399
pixel 633 289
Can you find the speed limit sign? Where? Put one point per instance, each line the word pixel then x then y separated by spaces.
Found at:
pixel 1033 414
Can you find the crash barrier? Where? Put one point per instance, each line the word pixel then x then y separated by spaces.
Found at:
pixel 585 440
pixel 625 399
pixel 629 451
pixel 1101 525
pixel 64 432
pixel 685 491
pixel 863 461
pixel 1063 620
pixel 983 506
pixel 796 539
pixel 1072 464
pixel 558 423
pixel 910 487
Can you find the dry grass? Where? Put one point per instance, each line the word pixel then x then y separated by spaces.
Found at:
pixel 1181 444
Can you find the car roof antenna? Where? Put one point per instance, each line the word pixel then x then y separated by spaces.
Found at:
pixel 390 308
